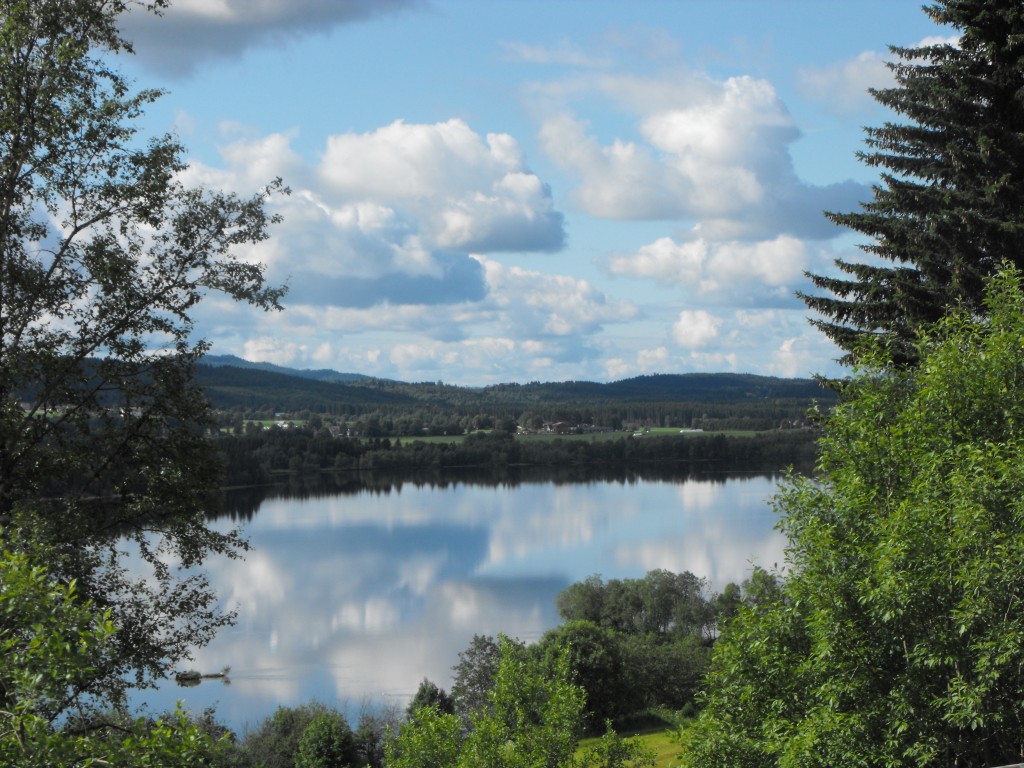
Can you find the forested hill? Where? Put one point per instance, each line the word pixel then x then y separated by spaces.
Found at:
pixel 254 389
pixel 321 374
pixel 703 387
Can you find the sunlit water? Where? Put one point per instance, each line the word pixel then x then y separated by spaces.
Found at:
pixel 352 600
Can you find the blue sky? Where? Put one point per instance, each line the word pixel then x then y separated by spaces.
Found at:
pixel 491 191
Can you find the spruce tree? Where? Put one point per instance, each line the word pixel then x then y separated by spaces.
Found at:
pixel 950 203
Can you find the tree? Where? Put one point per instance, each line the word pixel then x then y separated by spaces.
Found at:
pixel 278 741
pixel 623 607
pixel 676 602
pixel 896 639
pixel 582 600
pixel 104 255
pixel 535 716
pixel 950 205
pixel 474 676
pixel 597 664
pixel 660 602
pixel 327 742
pixel 429 694
pixel 533 721
pixel 372 733
pixel 50 642
pixel 726 603
pixel 663 671
pixel 428 739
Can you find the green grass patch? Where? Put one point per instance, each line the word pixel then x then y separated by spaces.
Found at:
pixel 544 437
pixel 664 746
pixel 662 743
pixel 677 432
pixel 430 439
pixel 589 437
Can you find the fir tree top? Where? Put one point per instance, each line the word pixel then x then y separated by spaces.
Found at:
pixel 949 206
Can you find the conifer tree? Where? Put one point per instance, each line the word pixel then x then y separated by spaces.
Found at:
pixel 950 203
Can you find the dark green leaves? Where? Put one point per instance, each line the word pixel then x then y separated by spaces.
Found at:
pixel 105 254
pixel 950 203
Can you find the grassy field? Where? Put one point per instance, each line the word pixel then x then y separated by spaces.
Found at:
pixel 430 439
pixel 664 431
pixel 590 437
pixel 541 437
pixel 660 742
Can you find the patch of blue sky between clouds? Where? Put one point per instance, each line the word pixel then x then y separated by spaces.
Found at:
pixel 521 190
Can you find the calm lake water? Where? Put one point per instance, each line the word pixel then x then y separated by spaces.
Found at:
pixel 352 599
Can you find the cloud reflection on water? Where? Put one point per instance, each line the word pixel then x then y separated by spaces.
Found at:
pixel 355 599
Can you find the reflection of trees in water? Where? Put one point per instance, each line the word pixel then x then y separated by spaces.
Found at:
pixel 243 503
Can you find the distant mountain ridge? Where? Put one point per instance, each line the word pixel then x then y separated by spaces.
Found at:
pixel 231 382
pixel 322 374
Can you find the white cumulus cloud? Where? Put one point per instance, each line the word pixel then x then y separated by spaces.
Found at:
pixel 695 328
pixel 709 152
pixel 391 216
pixel 540 305
pixel 843 87
pixel 724 272
pixel 466 191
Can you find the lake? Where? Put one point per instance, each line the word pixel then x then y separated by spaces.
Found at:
pixel 353 598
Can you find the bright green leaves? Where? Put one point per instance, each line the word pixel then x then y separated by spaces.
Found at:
pixel 326 742
pixel 51 645
pixel 613 751
pixel 428 739
pixel 533 722
pixel 898 638
pixel 53 649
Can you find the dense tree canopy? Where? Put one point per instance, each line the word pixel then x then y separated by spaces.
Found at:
pixel 50 644
pixel 104 254
pixel 473 676
pixel 897 638
pixel 950 205
pixel 532 720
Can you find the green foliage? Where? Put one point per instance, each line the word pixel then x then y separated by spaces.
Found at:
pixel 53 647
pixel 104 254
pixel 897 638
pixel 661 602
pixel 428 739
pixel 327 742
pixel 256 457
pixel 640 643
pixel 428 694
pixel 533 721
pixel 950 204
pixel 279 740
pixel 676 399
pixel 372 734
pixel 51 643
pixel 474 676
pixel 613 751
pixel 663 671
pixel 596 659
